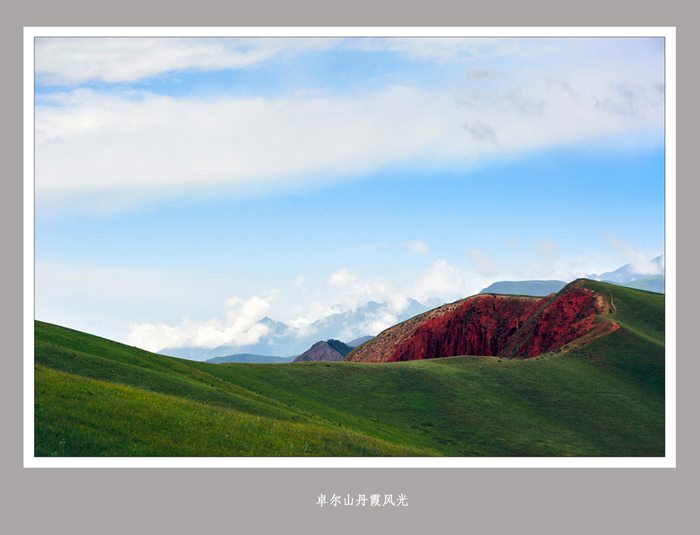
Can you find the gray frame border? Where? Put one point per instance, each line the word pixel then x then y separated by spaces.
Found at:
pixel 267 500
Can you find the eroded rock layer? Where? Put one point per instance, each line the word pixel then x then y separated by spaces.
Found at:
pixel 490 325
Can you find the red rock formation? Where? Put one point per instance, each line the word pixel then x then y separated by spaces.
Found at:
pixel 490 325
pixel 481 325
pixel 565 317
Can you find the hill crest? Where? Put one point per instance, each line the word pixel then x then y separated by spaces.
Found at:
pixel 493 325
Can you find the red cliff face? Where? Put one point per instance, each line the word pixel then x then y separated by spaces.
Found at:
pixel 481 325
pixel 566 316
pixel 489 325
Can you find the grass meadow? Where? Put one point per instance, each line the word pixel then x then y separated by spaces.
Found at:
pixel 95 397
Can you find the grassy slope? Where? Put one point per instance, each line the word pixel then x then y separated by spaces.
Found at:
pixel 95 397
pixel 656 283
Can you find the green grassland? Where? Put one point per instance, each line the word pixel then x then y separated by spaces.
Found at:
pixel 94 397
pixel 655 283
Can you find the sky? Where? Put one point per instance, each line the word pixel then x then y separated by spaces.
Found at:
pixel 187 188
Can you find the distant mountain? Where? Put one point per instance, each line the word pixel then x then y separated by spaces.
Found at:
pixel 656 283
pixel 359 341
pixel 284 340
pixel 536 288
pixel 267 346
pixel 360 321
pixel 320 351
pixel 628 274
pixel 248 358
pixel 189 353
pixel 623 276
pixel 339 346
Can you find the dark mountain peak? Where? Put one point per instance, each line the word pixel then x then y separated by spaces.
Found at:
pixel 320 351
pixel 272 323
pixel 339 346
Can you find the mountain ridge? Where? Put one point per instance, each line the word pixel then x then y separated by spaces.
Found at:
pixel 528 287
pixel 286 341
pixel 627 273
pixel 248 358
pixel 283 340
pixel 492 325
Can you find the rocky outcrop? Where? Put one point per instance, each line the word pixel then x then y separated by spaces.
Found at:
pixel 320 351
pixel 490 325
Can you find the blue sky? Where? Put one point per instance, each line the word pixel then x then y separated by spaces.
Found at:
pixel 185 188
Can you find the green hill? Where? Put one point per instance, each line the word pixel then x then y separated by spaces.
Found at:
pixel 656 283
pixel 94 397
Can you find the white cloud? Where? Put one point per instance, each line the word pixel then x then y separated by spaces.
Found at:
pixel 301 323
pixel 342 278
pixel 375 324
pixel 443 282
pixel 418 246
pixel 77 60
pixel 102 142
pixel 124 144
pixel 458 48
pixel 484 74
pixel 638 261
pixel 240 328
pixel 299 280
pixel 142 144
pixel 397 303
pixel 419 48
pixel 346 292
